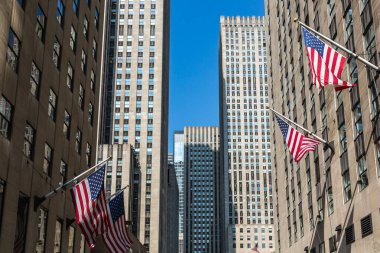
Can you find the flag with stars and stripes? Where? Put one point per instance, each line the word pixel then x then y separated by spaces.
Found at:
pixel 256 247
pixel 326 63
pixel 297 143
pixel 117 239
pixel 91 206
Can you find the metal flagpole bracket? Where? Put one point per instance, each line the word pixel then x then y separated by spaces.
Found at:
pixel 69 222
pixel 116 193
pixel 330 145
pixel 39 200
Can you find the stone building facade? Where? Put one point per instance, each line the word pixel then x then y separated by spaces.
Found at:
pixel 328 202
pixel 50 72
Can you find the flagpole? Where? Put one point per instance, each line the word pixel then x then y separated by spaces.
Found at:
pixel 356 56
pixel 118 192
pixel 39 200
pixel 304 129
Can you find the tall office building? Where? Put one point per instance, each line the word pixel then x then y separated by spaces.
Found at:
pixel 327 202
pixel 50 65
pixel 245 133
pixel 135 104
pixel 179 158
pixel 202 188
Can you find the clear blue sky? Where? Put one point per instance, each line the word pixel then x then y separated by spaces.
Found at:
pixel 194 59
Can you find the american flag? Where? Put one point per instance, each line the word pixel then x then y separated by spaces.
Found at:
pixel 117 239
pixel 90 205
pixel 326 64
pixel 297 143
pixel 256 247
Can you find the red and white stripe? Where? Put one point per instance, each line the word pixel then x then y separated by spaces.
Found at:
pixel 91 216
pixel 327 69
pixel 299 144
pixel 117 238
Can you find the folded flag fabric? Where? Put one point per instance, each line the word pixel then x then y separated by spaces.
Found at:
pixel 297 143
pixel 91 206
pixel 117 238
pixel 326 63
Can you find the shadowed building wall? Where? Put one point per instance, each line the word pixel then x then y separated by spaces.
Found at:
pixel 327 202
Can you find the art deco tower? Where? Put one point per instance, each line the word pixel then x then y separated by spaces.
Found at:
pixel 135 104
pixel 245 133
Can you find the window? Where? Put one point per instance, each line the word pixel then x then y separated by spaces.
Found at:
pixel 73 38
pixel 52 105
pixel 88 153
pixel 60 12
pixel 70 75
pixel 342 138
pixel 40 25
pixel 70 247
pixel 85 27
pixel 63 171
pixel 94 48
pixel 93 78
pixel 66 125
pixel 41 233
pixel 6 112
pixel 83 61
pixel 2 191
pixel 13 50
pixel 90 113
pixel 22 222
pixel 96 18
pixel 363 172
pixel 29 141
pixel 320 209
pixel 35 79
pixel 346 185
pixel 76 7
pixel 152 30
pixel 78 141
pixel 58 236
pixel 330 200
pixel 81 96
pixel 48 159
pixel 332 244
pixel 56 53
pixel 358 120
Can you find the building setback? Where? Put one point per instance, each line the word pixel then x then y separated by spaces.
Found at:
pixel 50 64
pixel 202 189
pixel 327 202
pixel 245 135
pixel 135 104
pixel 179 158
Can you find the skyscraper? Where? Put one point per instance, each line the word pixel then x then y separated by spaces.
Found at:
pixel 326 202
pixel 179 158
pixel 202 188
pixel 135 104
pixel 245 135
pixel 50 72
